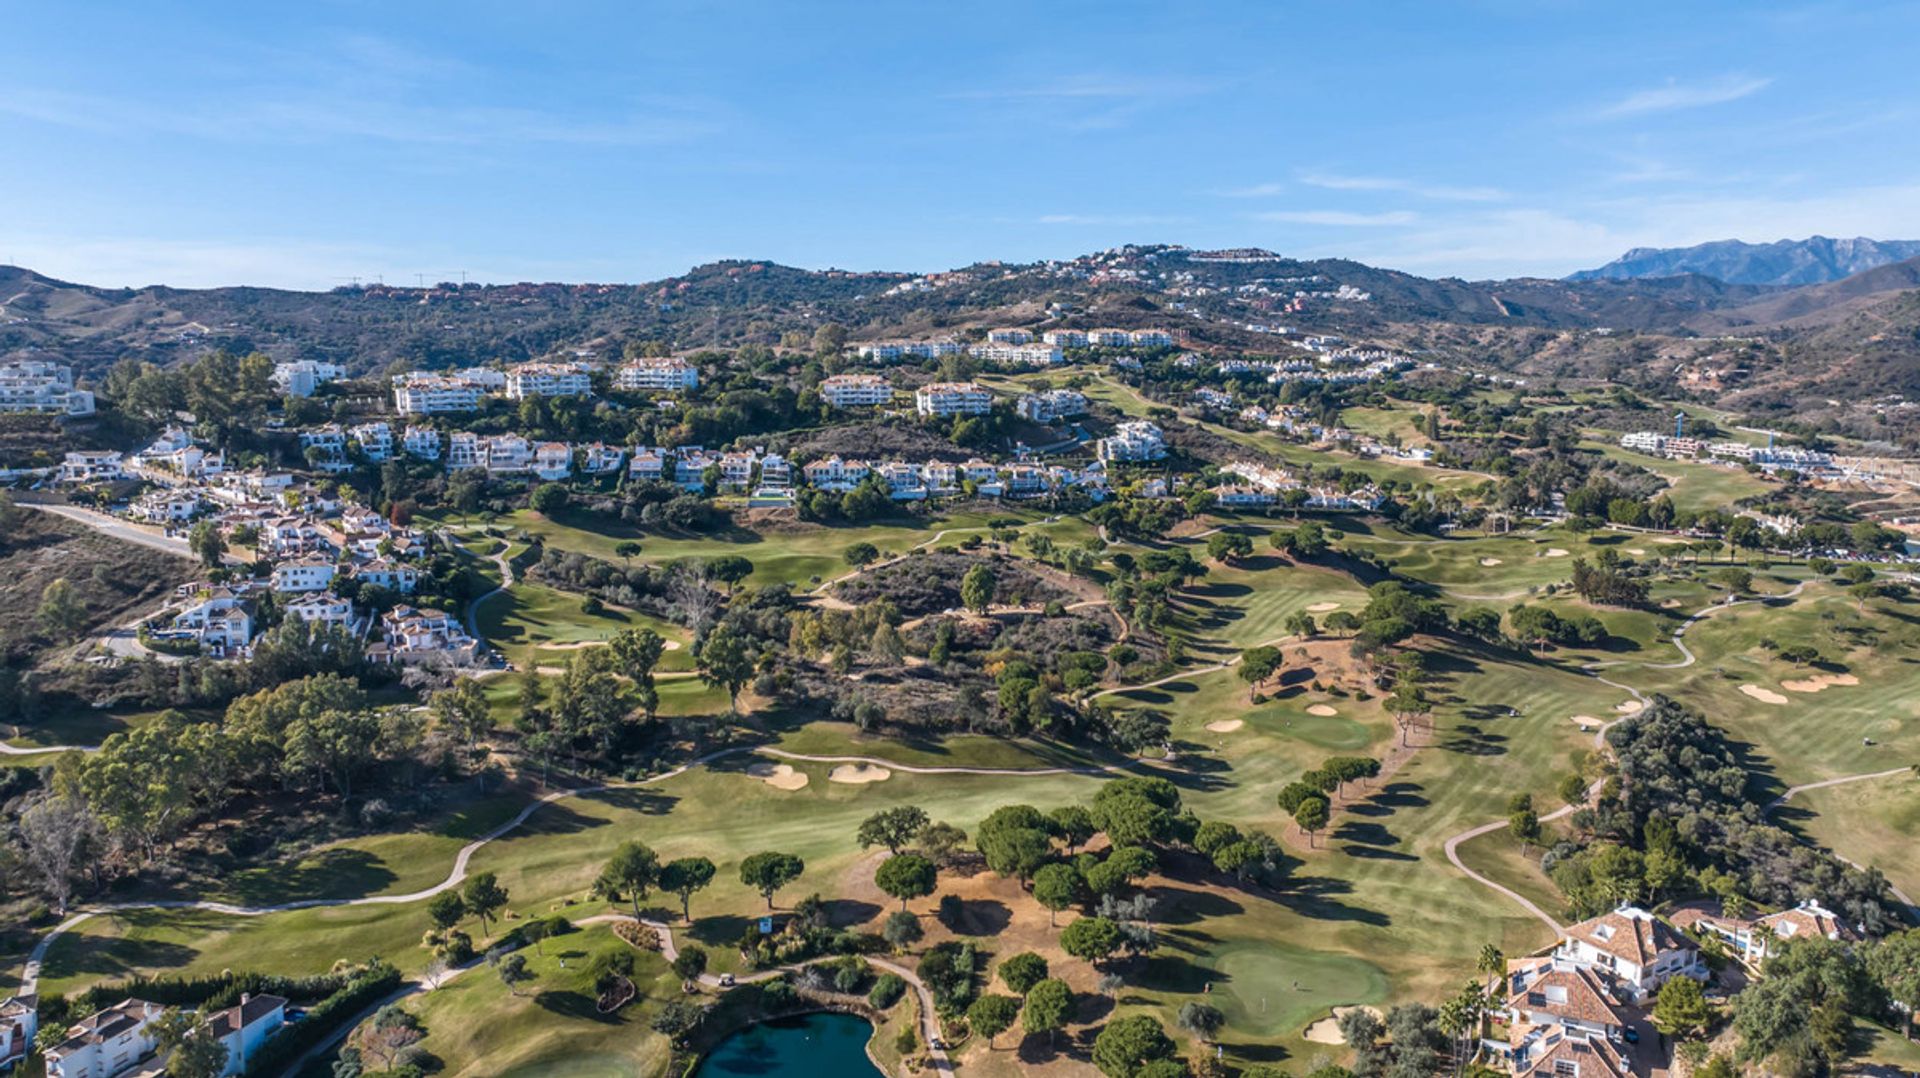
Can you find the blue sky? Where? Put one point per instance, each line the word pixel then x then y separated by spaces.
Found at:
pixel 302 144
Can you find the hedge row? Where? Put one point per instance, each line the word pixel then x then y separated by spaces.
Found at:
pixel 323 1021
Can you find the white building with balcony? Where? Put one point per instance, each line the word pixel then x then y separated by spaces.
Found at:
pixel 422 393
pixel 43 388
pixel 106 1043
pixel 856 390
pixel 548 380
pixel 952 398
pixel 1133 441
pixel 657 374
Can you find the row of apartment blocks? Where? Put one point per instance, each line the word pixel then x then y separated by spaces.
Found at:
pixel 1767 456
pixel 42 388
pixel 1017 346
pixel 919 481
pixel 437 393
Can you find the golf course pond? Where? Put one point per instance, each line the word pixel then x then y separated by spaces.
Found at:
pixel 823 1045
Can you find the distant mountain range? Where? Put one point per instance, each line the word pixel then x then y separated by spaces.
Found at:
pixel 1814 260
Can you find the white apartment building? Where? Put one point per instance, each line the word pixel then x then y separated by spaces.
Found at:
pixel 92 466
pixel 463 451
pixel 952 398
pixel 305 574
pixel 422 442
pixel 1026 355
pixel 301 377
pixel 420 393
pixel 1110 338
pixel 489 379
pixel 1644 441
pixel 856 390
pixel 1052 404
pixel 776 472
pixel 375 440
pixel 506 454
pixel 392 575
pixel 836 474
pixel 243 1028
pixel 166 506
pixel 321 608
pixel 19 1021
pixel 658 374
pixel 1137 440
pixel 32 385
pixel 552 460
pixel 891 351
pixel 1010 336
pixel 548 380
pixel 107 1043
pixel 1150 338
pixel 648 464
pixel 599 458
pixel 1065 338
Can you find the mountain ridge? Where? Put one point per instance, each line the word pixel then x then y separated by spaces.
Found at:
pixel 1814 260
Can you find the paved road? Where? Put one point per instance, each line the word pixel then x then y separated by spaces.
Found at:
pixel 122 530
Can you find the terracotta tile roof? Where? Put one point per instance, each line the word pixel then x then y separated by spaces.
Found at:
pixel 1807 921
pixel 1632 935
pixel 1587 1057
pixel 1566 992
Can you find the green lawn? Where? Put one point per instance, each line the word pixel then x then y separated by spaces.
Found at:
pixel 1875 823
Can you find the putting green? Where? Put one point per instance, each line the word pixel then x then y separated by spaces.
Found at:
pixel 1273 990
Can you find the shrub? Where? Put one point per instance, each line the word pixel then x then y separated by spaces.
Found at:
pixel 887 990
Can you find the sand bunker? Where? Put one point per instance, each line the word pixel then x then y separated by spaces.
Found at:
pixel 1226 726
pixel 1321 608
pixel 1765 696
pixel 1818 682
pixel 1327 1030
pixel 1638 552
pixel 1585 721
pixel 1325 711
pixel 858 774
pixel 1490 562
pixel 778 776
pixel 1556 552
pixel 1630 707
pixel 1670 604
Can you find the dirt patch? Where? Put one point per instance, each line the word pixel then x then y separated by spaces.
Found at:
pixel 1327 1030
pixel 1765 696
pixel 1325 711
pixel 1322 608
pixel 1226 726
pixel 1556 552
pixel 1630 707
pixel 778 776
pixel 1490 562
pixel 1670 604
pixel 1819 682
pixel 858 774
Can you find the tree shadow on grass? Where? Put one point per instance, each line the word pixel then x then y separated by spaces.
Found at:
pixel 1314 896
pixel 643 800
pixel 338 872
pixel 1188 905
pixel 576 1005
pixel 720 931
pixel 555 818
pixel 842 912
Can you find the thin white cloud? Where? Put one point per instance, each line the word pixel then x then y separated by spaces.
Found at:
pixel 1258 190
pixel 1336 182
pixel 1108 219
pixel 1677 95
pixel 1339 218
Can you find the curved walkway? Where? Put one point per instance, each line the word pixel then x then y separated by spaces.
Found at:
pixel 1688 658
pixel 1913 909
pixel 30 977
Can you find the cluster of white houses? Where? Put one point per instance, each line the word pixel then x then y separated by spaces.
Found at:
pixel 122 1041
pixel 42 388
pixel 1575 1009
pixel 1017 347
pixel 1260 486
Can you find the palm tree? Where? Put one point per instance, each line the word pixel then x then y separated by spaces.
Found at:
pixel 1491 962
